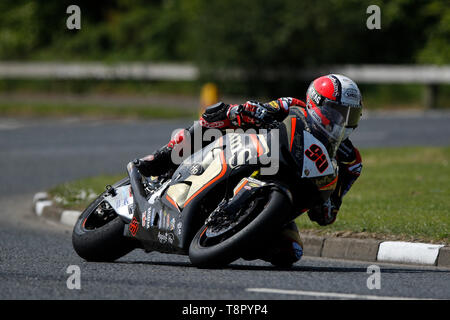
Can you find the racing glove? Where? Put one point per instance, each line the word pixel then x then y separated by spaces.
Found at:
pixel 350 166
pixel 325 213
pixel 222 116
pixel 252 113
pixel 249 114
pixel 216 116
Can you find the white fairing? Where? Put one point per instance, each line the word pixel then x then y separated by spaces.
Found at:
pixel 122 201
pixel 310 169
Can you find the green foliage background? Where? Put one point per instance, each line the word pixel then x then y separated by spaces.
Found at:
pixel 249 35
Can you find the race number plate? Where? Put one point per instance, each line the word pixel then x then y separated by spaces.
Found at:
pixel 316 161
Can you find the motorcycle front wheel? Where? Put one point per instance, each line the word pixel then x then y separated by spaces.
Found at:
pixel 218 245
pixel 98 232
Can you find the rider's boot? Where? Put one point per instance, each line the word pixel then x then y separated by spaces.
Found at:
pixel 284 250
pixel 157 163
pixel 160 162
pixel 287 248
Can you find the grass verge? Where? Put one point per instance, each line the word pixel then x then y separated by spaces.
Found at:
pixel 402 194
pixel 79 193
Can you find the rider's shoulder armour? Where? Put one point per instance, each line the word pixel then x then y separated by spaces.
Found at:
pixel 294 124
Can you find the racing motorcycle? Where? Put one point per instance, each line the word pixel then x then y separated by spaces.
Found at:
pixel 217 206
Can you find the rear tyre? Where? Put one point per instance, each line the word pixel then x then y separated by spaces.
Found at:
pixel 98 232
pixel 266 218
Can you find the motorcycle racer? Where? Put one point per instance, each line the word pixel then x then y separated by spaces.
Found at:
pixel 333 91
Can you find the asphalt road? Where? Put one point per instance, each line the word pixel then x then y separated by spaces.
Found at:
pixel 35 255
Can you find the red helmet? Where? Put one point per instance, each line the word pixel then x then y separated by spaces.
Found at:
pixel 338 92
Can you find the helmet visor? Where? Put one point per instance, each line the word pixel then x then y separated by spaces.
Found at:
pixel 351 114
pixel 329 123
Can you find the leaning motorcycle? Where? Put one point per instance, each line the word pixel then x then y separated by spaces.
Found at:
pixel 217 206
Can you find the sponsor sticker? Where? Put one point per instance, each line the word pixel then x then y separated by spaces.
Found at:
pixel 147 218
pixel 134 225
pixel 166 237
pixel 170 238
pixel 153 216
pixel 167 221
pixel 162 237
pixel 351 96
pixel 144 218
pixel 172 224
pixel 196 169
pixel 335 86
pixel 216 124
pixel 314 95
pixel 274 104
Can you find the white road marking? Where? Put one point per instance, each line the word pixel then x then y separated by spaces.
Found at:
pixel 10 125
pixel 329 294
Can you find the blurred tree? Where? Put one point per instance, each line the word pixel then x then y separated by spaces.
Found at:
pixel 250 35
pixel 437 45
pixel 18 36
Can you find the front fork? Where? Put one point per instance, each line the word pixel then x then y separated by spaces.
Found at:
pixel 137 187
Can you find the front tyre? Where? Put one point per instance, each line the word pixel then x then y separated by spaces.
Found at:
pixel 259 220
pixel 98 233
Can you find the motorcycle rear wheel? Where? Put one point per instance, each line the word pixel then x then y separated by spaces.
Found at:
pixel 249 234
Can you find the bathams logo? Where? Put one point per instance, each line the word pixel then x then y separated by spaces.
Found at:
pixel 165 237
